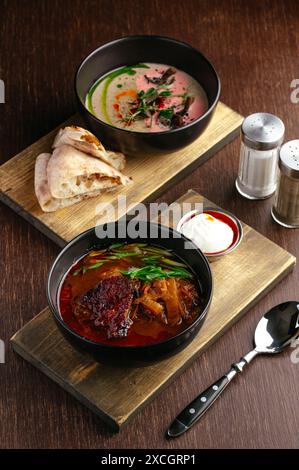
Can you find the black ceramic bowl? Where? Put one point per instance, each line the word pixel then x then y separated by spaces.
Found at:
pixel 167 238
pixel 132 50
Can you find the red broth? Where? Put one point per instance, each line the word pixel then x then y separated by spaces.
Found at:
pixel 145 327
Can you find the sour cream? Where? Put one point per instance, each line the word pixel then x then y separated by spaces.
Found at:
pixel 210 234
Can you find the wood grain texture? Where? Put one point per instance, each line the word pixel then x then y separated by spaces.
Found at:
pixel 17 177
pixel 254 47
pixel 116 394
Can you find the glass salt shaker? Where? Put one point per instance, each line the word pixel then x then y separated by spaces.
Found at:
pixel 261 137
pixel 286 206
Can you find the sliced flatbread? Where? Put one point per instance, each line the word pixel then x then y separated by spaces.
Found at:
pixel 85 141
pixel 42 191
pixel 71 173
pixel 115 159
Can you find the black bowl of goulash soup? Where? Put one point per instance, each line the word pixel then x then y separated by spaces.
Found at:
pixel 127 298
pixel 146 94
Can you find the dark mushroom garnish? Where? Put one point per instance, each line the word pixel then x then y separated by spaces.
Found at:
pixel 178 118
pixel 189 100
pixel 177 121
pixel 164 78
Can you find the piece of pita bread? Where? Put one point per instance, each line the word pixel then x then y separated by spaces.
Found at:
pixel 42 191
pixel 116 159
pixel 85 141
pixel 71 173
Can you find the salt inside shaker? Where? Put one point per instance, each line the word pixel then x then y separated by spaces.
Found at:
pixel 286 206
pixel 261 137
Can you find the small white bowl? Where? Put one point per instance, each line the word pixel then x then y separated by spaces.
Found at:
pixel 226 217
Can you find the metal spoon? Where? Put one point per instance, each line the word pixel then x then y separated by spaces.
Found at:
pixel 276 330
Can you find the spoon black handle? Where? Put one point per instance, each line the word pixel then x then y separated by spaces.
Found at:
pixel 194 411
pixel 197 408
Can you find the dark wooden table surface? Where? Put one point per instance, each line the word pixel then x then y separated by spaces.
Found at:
pixel 254 46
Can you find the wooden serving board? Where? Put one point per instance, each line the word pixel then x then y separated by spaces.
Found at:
pixel 117 394
pixel 16 178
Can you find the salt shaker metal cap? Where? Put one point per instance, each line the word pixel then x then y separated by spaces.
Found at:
pixel 262 131
pixel 261 137
pixel 289 159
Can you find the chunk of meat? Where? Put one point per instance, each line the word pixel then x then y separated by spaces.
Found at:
pixel 152 308
pixel 190 300
pixel 173 303
pixel 169 300
pixel 108 305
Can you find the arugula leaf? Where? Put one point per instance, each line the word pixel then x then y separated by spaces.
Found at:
pixel 166 114
pixel 149 96
pixel 165 93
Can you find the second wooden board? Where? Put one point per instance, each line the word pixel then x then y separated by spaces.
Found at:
pixel 116 394
pixel 151 176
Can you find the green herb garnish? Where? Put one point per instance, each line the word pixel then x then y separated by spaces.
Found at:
pixel 151 259
pixel 115 245
pixel 150 273
pixel 107 79
pixel 147 104
pixel 166 93
pixel 78 271
pixel 166 114
pixel 157 264
pixel 86 267
pixel 123 254
pixel 95 265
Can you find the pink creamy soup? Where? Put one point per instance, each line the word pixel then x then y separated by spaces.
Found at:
pixel 147 98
